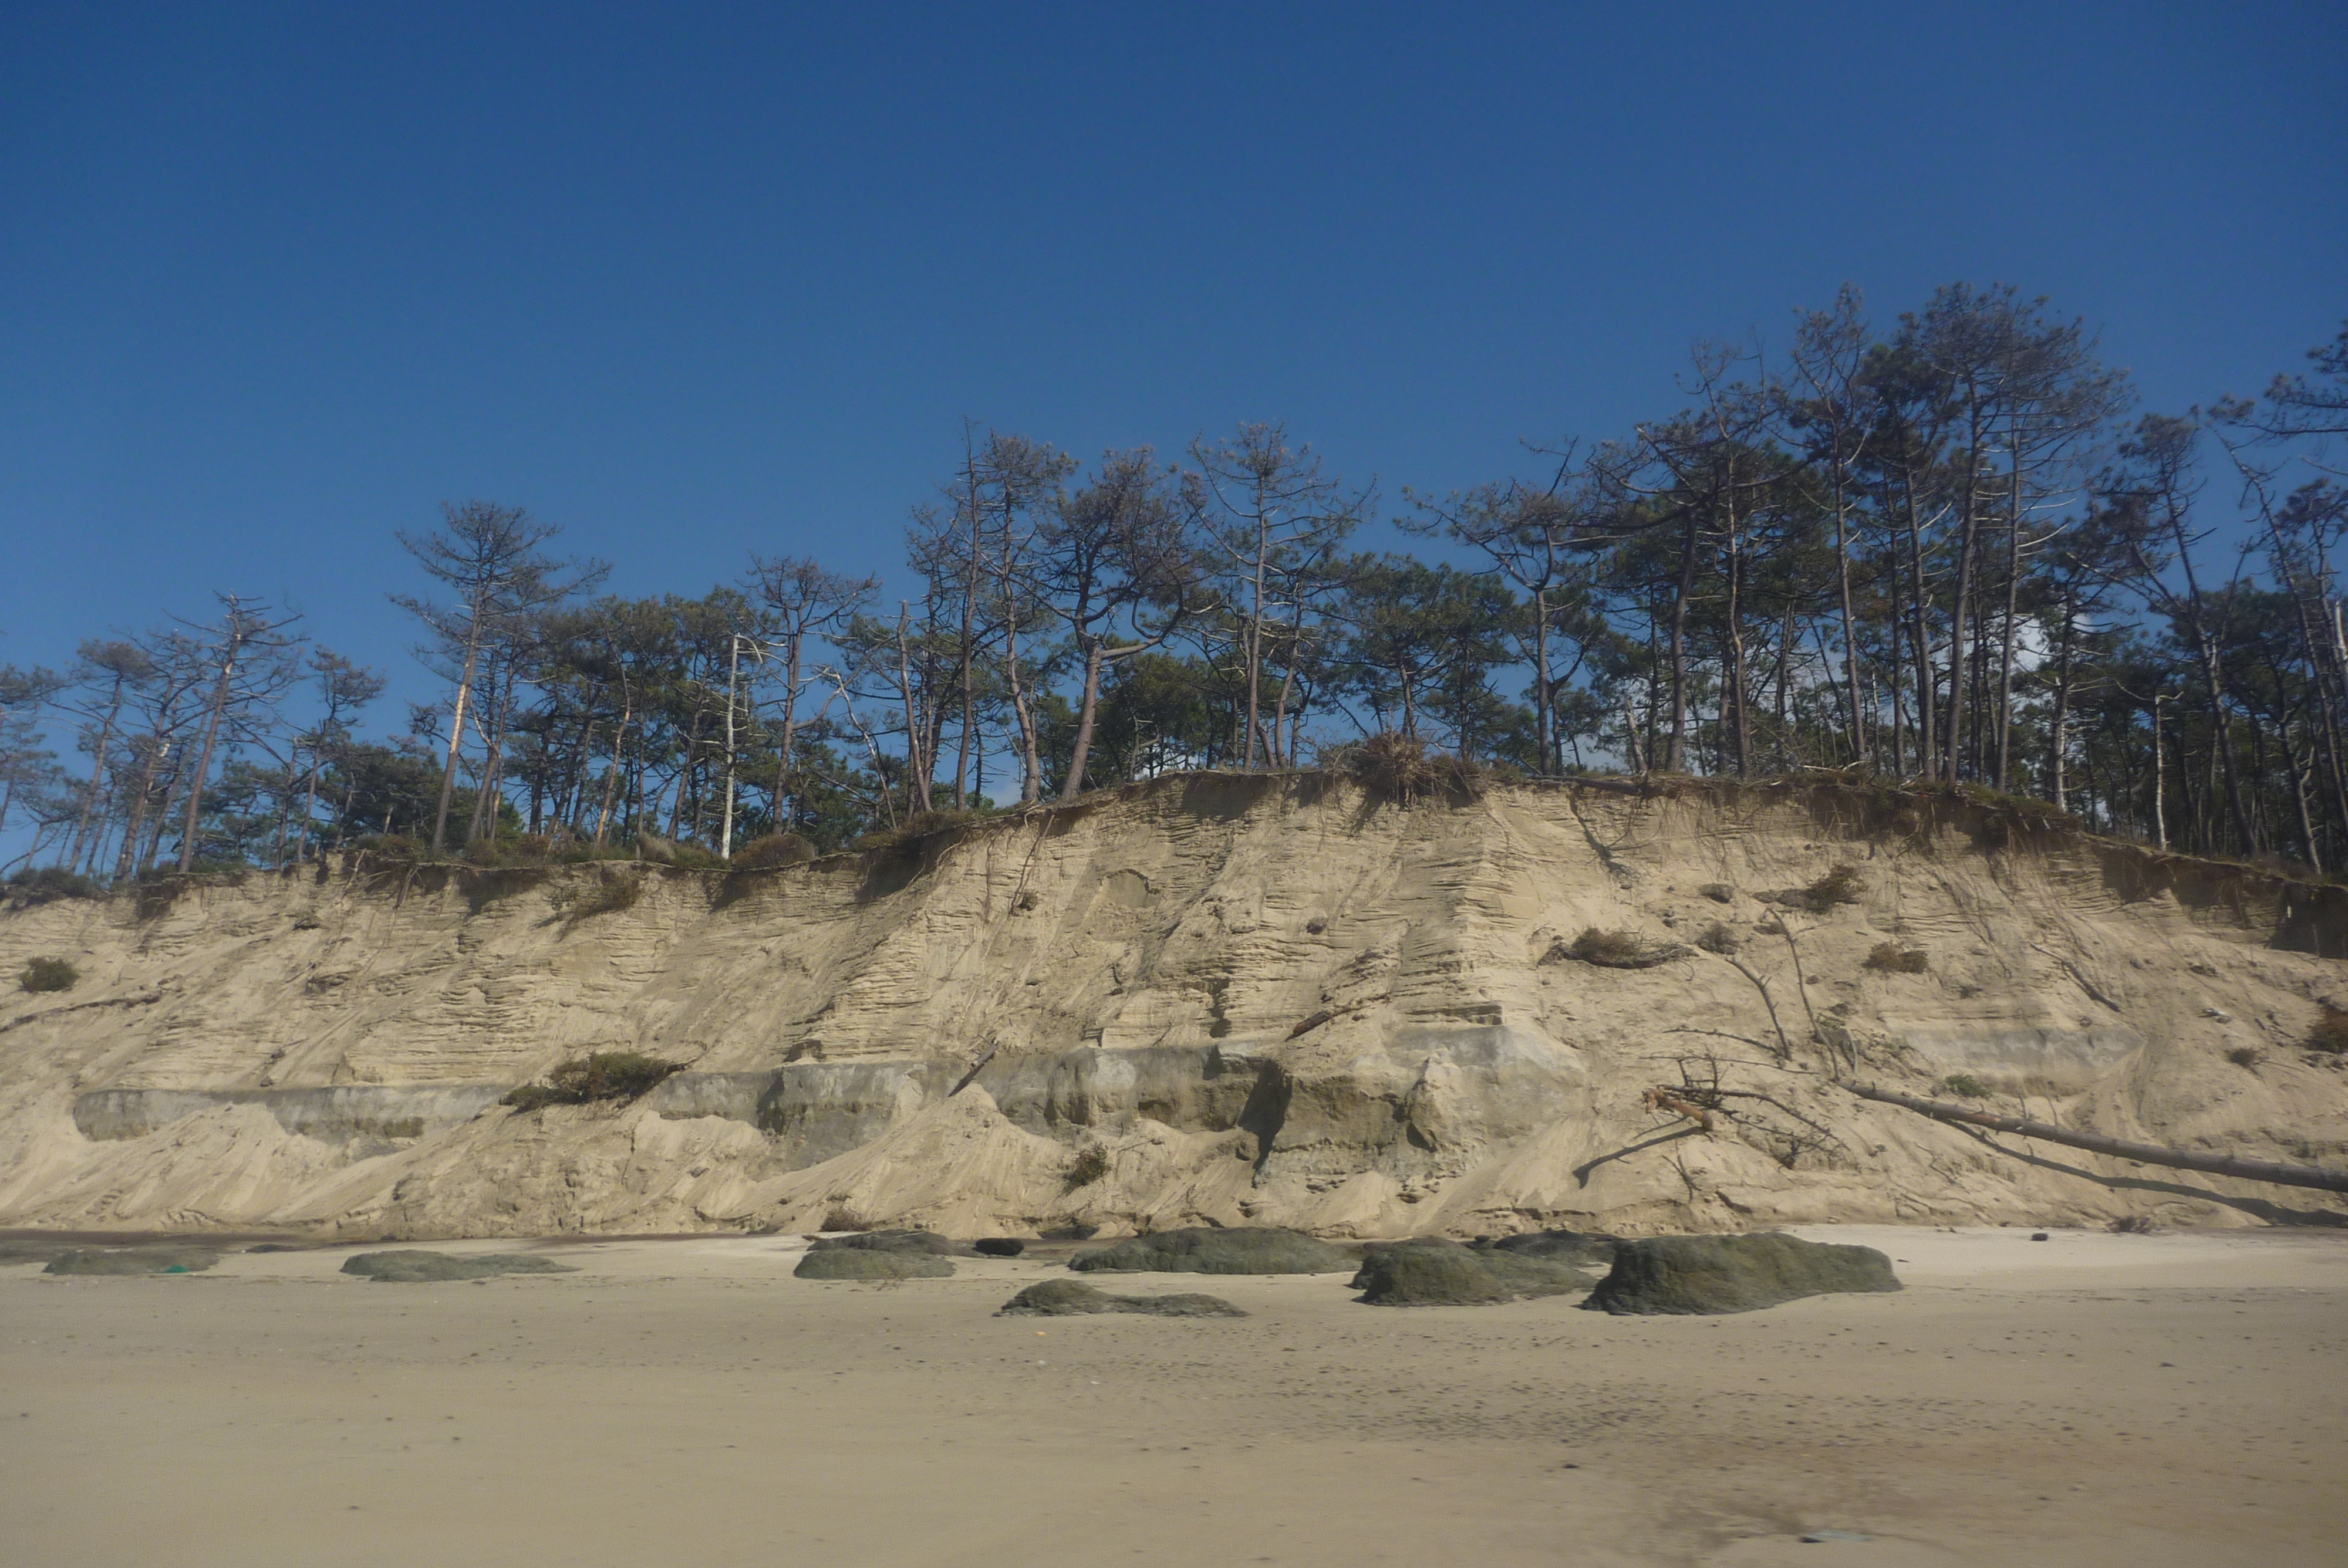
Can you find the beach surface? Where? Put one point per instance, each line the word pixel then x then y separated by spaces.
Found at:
pixel 2087 1399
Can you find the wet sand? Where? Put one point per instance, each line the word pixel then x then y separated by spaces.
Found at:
pixel 2090 1399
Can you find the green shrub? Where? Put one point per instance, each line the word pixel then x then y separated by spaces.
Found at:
pixel 51 883
pixel 1401 769
pixel 1090 1165
pixel 2330 1034
pixel 774 849
pixel 389 846
pixel 612 893
pixel 1892 958
pixel 1618 950
pixel 510 849
pixel 600 1075
pixel 48 975
pixel 915 828
pixel 1842 885
pixel 1965 1085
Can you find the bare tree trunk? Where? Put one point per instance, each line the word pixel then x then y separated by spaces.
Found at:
pixel 917 763
pixel 968 644
pixel 456 738
pixel 1543 716
pixel 1087 708
pixel 611 774
pixel 2004 715
pixel 1255 626
pixel 1859 748
pixel 2145 1154
pixel 2055 745
pixel 98 772
pixel 205 761
pixel 1675 759
pixel 1921 644
pixel 1739 695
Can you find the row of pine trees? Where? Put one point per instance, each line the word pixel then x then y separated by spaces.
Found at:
pixel 1951 549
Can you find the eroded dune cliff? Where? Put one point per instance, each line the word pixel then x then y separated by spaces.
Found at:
pixel 1260 1000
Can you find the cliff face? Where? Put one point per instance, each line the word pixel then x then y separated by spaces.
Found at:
pixel 1266 1001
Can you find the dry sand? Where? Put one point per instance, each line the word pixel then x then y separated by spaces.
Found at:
pixel 2090 1399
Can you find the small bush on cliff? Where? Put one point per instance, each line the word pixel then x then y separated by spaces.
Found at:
pixel 1842 885
pixel 1617 949
pixel 2330 1034
pixel 774 849
pixel 51 883
pixel 1719 938
pixel 607 897
pixel 1892 958
pixel 1090 1165
pixel 47 974
pixel 600 1075
pixel 1401 769
pixel 1965 1085
pixel 916 827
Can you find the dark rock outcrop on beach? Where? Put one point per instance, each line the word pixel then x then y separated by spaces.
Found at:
pixel 1206 1249
pixel 1719 1274
pixel 871 1263
pixel 134 1260
pixel 1586 1248
pixel 413 1267
pixel 1073 1297
pixel 1428 1272
pixel 927 1242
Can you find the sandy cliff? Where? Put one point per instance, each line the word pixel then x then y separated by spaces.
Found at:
pixel 1131 975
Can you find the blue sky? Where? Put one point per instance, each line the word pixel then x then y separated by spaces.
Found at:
pixel 692 281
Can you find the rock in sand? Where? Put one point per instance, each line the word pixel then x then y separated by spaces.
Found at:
pixel 1206 1249
pixel 1558 1246
pixel 905 1241
pixel 410 1268
pixel 134 1260
pixel 1717 1274
pixel 1431 1272
pixel 1071 1297
pixel 871 1263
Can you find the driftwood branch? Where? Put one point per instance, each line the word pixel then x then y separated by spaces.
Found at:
pixel 1785 1046
pixel 2146 1153
pixel 1665 1100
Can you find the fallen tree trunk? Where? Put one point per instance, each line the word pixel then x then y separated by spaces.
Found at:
pixel 2146 1153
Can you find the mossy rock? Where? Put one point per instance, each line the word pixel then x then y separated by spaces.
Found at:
pixel 871 1263
pixel 1431 1272
pixel 1718 1274
pixel 1073 1297
pixel 919 1242
pixel 134 1260
pixel 1558 1246
pixel 1207 1249
pixel 417 1267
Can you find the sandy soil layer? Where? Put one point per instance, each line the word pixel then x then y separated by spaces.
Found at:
pixel 1235 1000
pixel 2092 1400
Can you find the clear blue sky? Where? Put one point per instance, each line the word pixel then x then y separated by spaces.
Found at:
pixel 692 279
